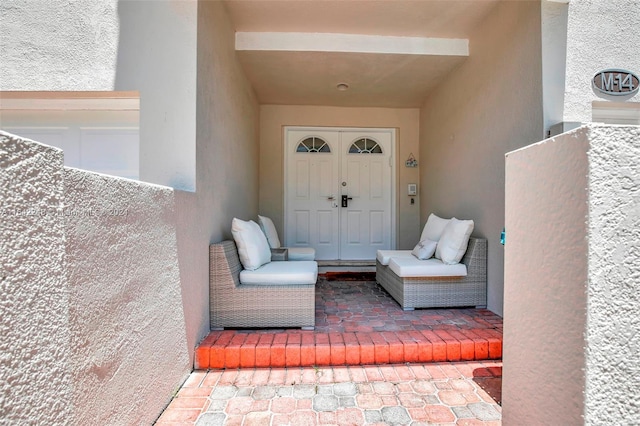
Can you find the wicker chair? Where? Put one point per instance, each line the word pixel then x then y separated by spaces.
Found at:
pixel 431 292
pixel 233 304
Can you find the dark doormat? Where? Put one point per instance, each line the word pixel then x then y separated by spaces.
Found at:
pixel 349 276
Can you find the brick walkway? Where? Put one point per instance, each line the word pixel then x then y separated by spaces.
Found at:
pixel 358 323
pixel 418 394
pixel 367 362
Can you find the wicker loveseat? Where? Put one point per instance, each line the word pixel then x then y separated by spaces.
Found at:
pixel 441 291
pixel 233 304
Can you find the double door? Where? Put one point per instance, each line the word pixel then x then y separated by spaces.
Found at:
pixel 338 191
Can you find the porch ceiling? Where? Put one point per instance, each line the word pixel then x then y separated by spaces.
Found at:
pixel 299 74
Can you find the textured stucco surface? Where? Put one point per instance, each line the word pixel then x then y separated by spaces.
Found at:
pixel 545 282
pixel 92 310
pixel 490 105
pixel 35 352
pixel 274 117
pixel 146 46
pixel 613 333
pixel 58 44
pixel 572 268
pixel 601 34
pixel 126 313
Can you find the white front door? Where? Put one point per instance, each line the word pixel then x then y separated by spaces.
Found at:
pixel 311 191
pixel 365 223
pixel 321 167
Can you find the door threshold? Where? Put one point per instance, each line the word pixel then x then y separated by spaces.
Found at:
pixel 338 262
pixel 325 266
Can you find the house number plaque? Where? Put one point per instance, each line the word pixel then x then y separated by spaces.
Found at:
pixel 616 82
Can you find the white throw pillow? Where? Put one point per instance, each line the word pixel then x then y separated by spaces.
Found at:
pixel 269 230
pixel 454 241
pixel 425 249
pixel 433 228
pixel 253 248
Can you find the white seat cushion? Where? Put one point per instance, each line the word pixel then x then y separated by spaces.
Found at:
pixel 282 273
pixel 301 253
pixel 384 256
pixel 413 267
pixel 253 248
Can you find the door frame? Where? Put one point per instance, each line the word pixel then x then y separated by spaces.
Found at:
pixel 392 160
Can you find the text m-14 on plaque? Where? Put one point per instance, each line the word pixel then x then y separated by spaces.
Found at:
pixel 616 82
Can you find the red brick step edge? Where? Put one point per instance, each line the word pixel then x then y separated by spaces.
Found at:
pixel 297 348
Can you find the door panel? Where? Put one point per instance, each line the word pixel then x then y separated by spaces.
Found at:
pixel 302 179
pixel 325 223
pixel 326 178
pixel 376 184
pixel 353 179
pixel 376 227
pixel 354 223
pixel 301 233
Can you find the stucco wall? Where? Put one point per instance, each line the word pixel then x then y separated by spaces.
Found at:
pixel 123 45
pixel 545 282
pixel 93 323
pixel 227 163
pixel 601 34
pixel 58 45
pixel 571 274
pixel 157 56
pixel 274 117
pixel 489 106
pixel 613 341
pixel 228 131
pixel 123 263
pixel 35 350
pixel 127 321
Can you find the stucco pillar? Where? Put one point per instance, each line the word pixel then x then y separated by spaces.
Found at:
pixel 35 355
pixel 572 265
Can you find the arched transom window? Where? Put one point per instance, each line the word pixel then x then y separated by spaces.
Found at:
pixel 313 144
pixel 365 146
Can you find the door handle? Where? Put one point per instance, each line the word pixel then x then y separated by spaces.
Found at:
pixel 331 198
pixel 345 200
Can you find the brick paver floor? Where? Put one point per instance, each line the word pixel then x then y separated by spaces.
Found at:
pixel 364 306
pixel 358 322
pixel 464 393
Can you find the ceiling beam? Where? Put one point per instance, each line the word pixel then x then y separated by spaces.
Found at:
pixel 351 43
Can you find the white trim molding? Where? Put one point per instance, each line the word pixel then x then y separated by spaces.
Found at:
pixel 70 101
pixel 350 43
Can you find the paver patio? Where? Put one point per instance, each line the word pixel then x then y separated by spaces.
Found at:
pixel 358 323
pixel 465 393
pixel 367 362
